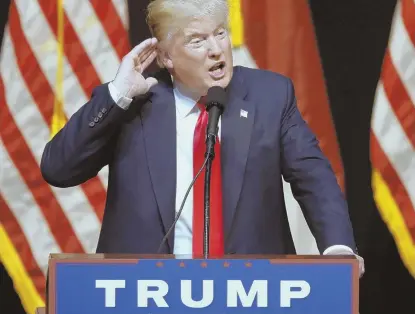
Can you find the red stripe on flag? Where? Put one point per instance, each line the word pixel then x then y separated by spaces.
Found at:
pixel 96 195
pixel 43 96
pixel 30 69
pixel 73 48
pixel 400 194
pixel 398 97
pixel 408 16
pixel 29 170
pixel 18 238
pixel 113 26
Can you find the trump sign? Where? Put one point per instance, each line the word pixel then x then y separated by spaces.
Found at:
pixel 119 285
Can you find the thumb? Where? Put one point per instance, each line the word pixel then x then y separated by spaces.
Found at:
pixel 151 81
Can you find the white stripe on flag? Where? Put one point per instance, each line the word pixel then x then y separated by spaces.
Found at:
pixel 44 46
pixel 121 7
pixel 402 52
pixel 93 38
pixel 26 211
pixel 36 133
pixel 103 176
pixel 394 142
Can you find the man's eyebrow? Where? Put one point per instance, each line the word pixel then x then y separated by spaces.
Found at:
pixel 222 25
pixel 193 35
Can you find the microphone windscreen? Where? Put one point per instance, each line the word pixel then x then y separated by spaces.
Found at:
pixel 216 95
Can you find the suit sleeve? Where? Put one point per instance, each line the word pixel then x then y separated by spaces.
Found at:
pixel 312 180
pixel 85 144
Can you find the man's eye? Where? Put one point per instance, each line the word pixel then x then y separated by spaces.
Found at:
pixel 197 42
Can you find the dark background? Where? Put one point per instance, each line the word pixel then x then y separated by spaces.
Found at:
pixel 352 37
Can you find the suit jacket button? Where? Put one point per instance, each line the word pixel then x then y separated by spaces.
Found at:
pixel 91 124
pixel 96 120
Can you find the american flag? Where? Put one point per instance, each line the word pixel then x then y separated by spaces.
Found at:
pixel 54 53
pixel 393 134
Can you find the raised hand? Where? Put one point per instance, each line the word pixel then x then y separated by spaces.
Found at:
pixel 129 80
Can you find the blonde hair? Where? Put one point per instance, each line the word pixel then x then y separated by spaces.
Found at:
pixel 166 17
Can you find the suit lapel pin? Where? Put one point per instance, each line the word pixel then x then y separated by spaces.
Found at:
pixel 243 114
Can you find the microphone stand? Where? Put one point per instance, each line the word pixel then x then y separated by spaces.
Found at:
pixel 210 155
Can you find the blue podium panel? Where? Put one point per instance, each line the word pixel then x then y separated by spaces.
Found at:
pixel 180 286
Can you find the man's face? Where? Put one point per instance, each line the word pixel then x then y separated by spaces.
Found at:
pixel 200 56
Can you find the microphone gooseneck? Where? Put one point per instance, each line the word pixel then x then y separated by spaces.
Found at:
pixel 163 241
pixel 215 104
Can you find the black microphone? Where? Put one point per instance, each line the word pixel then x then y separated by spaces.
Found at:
pixel 215 104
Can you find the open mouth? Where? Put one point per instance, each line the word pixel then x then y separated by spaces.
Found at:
pixel 218 70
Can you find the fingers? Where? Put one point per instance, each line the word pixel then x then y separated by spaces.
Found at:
pixel 145 55
pixel 149 60
pixel 141 66
pixel 143 47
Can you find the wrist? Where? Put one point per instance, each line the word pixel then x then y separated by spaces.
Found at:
pixel 119 96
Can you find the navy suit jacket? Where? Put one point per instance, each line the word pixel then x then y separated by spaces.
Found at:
pixel 139 145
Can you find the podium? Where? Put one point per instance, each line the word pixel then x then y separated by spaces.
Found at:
pixel 161 284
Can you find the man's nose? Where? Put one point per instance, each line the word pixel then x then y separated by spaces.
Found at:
pixel 214 47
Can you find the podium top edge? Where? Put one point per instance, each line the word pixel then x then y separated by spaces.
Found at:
pixel 135 257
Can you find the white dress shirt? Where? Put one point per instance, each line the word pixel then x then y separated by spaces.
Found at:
pixel 187 113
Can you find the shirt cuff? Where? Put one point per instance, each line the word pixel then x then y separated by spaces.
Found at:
pixel 338 249
pixel 121 101
pixel 345 250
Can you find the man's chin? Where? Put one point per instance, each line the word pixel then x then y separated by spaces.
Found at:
pixel 223 82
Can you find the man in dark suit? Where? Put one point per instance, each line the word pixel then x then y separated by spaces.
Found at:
pixel 151 134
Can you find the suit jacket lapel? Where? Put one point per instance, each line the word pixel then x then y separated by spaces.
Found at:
pixel 159 125
pixel 236 128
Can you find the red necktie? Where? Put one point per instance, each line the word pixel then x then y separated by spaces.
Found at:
pixel 216 243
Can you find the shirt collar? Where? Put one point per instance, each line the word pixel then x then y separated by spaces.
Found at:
pixel 184 104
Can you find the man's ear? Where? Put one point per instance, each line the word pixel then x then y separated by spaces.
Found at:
pixel 165 59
